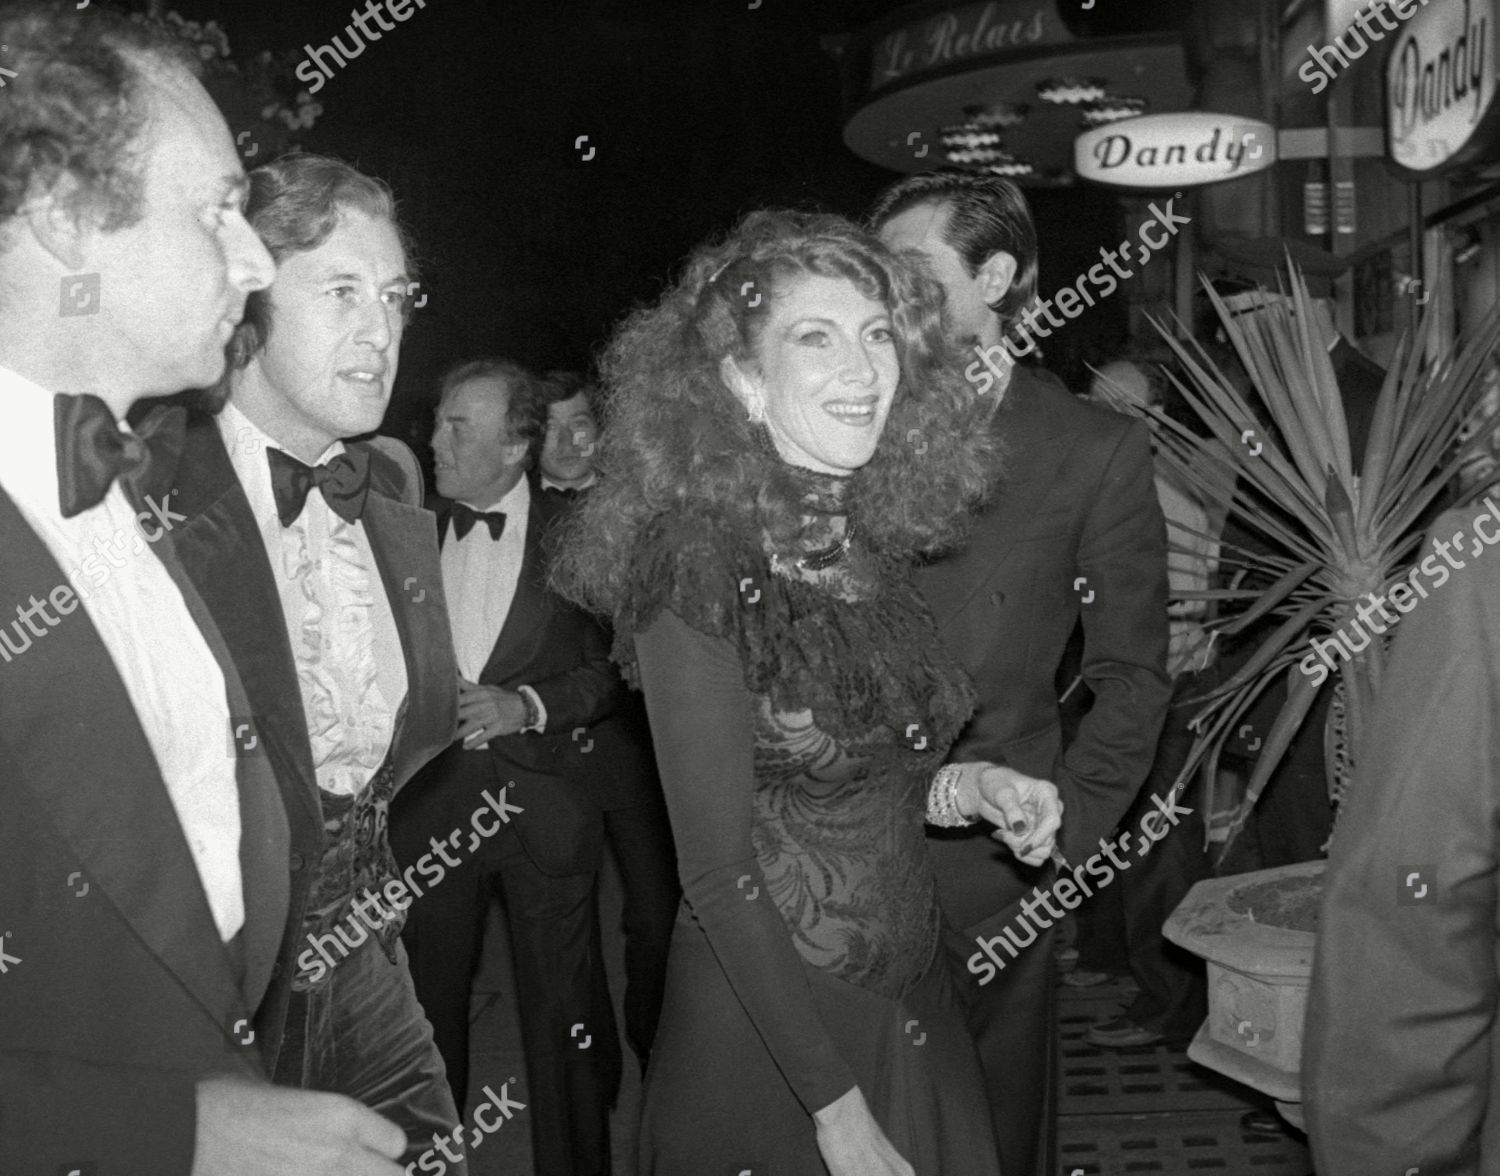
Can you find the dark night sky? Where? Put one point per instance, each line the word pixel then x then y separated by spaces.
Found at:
pixel 697 112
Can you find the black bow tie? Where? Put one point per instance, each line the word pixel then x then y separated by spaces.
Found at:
pixel 464 518
pixel 92 451
pixel 344 481
pixel 567 493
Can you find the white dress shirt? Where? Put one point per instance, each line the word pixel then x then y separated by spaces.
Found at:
pixel 350 619
pixel 480 575
pixel 174 682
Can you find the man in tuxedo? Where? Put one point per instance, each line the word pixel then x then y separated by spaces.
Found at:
pixel 534 675
pixel 143 850
pixel 616 760
pixel 1074 535
pixel 320 567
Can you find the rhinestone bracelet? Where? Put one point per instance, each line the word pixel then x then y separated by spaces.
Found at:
pixel 942 799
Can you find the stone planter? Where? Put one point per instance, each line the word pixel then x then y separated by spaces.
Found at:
pixel 1257 932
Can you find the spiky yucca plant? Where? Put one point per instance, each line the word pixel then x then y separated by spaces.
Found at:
pixel 1331 539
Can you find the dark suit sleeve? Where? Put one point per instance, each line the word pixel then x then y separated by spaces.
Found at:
pixel 58 1113
pixel 701 723
pixel 1399 1047
pixel 587 692
pixel 1122 553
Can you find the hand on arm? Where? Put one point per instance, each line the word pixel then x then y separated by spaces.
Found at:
pixel 247 1128
pixel 487 711
pixel 1026 812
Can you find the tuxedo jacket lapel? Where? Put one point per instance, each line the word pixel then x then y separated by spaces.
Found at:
pixel 221 549
pixel 107 799
pixel 526 622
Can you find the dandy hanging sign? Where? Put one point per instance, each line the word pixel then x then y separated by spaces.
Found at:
pixel 1440 87
pixel 1174 150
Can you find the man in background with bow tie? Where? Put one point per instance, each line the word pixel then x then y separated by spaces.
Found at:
pixel 534 674
pixel 142 850
pixel 320 566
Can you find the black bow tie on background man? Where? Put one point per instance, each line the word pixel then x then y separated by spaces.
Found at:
pixel 92 451
pixel 344 481
pixel 566 493
pixel 464 518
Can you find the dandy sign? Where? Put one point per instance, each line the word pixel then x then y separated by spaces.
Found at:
pixel 1174 150
pixel 1440 86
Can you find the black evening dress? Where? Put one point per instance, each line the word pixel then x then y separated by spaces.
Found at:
pixel 799 714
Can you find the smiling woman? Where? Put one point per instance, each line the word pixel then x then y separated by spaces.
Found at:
pixel 785 431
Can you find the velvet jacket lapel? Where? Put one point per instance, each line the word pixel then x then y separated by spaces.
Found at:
pixel 221 549
pixel 105 795
pixel 406 554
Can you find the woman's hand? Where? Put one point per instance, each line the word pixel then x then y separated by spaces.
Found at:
pixel 1026 812
pixel 852 1143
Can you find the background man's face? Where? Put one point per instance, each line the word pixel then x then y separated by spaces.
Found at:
pixel 922 228
pixel 335 328
pixel 173 285
pixel 572 434
pixel 474 458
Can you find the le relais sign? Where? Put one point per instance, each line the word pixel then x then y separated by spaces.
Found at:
pixel 1440 88
pixel 1174 150
pixel 962 34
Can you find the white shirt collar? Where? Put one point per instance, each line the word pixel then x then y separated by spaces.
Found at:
pixel 516 500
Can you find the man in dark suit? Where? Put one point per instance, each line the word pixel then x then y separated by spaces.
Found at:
pixel 1075 534
pixel 143 848
pixel 534 674
pixel 320 567
pixel 616 759
pixel 1399 1067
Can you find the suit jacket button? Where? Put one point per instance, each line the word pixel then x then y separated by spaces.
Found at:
pixel 997 598
pixel 297 862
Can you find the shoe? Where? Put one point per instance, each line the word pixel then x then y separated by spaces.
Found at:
pixel 1076 979
pixel 1120 1033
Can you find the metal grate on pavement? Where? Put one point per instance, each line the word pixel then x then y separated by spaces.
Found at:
pixel 1139 1080
pixel 1178 1144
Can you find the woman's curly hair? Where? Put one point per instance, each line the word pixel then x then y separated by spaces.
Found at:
pixel 75 107
pixel 677 441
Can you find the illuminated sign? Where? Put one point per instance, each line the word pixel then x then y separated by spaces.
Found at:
pixel 1440 87
pixel 1174 150
pixel 963 34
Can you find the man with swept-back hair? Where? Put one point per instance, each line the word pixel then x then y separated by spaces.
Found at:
pixel 1074 538
pixel 314 554
pixel 533 676
pixel 143 848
